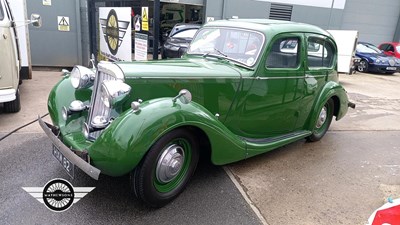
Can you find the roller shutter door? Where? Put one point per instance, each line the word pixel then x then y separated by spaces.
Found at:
pixel 375 21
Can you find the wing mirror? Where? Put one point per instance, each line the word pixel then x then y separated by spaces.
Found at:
pixel 36 20
pixel 184 96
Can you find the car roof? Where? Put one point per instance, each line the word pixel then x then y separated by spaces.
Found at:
pixel 184 26
pixel 268 26
pixel 365 43
pixel 393 43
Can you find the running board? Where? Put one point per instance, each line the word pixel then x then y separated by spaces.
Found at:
pixel 294 135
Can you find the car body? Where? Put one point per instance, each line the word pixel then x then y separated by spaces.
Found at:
pixel 10 63
pixel 240 90
pixel 178 40
pixel 373 60
pixel 391 49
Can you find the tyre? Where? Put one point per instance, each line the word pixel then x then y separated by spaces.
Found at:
pixel 363 66
pixel 323 122
pixel 13 106
pixel 166 169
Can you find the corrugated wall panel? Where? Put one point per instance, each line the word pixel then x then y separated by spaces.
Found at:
pixel 375 21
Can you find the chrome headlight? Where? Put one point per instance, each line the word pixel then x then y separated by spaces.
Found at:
pixel 82 77
pixel 113 91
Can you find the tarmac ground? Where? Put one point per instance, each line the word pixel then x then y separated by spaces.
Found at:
pixel 341 179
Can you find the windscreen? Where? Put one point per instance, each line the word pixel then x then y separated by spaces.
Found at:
pixel 239 45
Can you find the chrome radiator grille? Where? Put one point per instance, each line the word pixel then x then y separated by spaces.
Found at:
pixel 97 108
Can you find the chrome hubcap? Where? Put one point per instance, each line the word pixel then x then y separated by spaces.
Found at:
pixel 322 117
pixel 170 163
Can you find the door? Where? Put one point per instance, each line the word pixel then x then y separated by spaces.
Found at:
pixel 8 51
pixel 270 107
pixel 58 41
pixel 321 61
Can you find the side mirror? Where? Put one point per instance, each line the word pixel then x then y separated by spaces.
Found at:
pixel 184 96
pixel 36 20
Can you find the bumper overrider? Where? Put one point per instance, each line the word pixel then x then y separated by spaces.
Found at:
pixel 67 152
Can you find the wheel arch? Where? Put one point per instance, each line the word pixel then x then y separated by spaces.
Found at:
pixel 332 90
pixel 122 146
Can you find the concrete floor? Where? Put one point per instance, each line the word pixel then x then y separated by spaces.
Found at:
pixel 344 177
pixel 340 180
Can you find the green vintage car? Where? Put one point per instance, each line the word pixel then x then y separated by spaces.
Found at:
pixel 243 88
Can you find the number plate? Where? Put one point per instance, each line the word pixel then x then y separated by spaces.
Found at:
pixel 390 68
pixel 66 164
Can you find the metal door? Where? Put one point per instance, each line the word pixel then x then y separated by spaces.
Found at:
pixel 58 41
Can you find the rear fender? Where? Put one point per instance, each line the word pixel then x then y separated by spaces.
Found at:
pixel 338 94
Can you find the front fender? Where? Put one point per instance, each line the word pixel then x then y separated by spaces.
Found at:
pixel 330 90
pixel 123 144
pixel 63 94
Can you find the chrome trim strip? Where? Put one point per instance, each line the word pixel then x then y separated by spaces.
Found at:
pixel 203 78
pixel 90 170
pixel 182 78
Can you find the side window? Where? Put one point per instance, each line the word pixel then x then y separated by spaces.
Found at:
pixel 390 48
pixel 383 47
pixel 284 53
pixel 320 53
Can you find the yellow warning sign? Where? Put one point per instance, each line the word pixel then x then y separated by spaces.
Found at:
pixel 145 18
pixel 63 23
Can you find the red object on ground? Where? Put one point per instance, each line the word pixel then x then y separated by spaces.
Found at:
pixel 387 216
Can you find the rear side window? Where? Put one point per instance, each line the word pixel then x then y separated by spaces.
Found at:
pixel 284 53
pixel 320 53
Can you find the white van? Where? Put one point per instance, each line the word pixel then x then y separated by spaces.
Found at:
pixel 10 59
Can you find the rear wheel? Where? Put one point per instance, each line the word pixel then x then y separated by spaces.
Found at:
pixel 323 121
pixel 13 106
pixel 166 169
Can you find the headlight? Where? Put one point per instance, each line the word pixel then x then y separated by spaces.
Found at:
pixel 82 77
pixel 113 91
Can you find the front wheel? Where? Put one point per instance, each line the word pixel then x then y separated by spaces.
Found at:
pixel 363 66
pixel 166 169
pixel 323 122
pixel 13 106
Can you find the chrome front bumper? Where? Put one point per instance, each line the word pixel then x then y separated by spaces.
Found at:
pixel 68 153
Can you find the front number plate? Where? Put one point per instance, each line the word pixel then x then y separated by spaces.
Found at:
pixel 390 68
pixel 66 164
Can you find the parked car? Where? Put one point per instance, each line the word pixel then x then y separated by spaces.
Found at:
pixel 373 60
pixel 178 40
pixel 237 93
pixel 391 49
pixel 10 58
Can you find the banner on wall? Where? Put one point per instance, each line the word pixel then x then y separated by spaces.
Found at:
pixel 115 33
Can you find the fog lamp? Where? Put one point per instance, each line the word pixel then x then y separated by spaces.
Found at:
pixel 86 130
pixel 65 113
